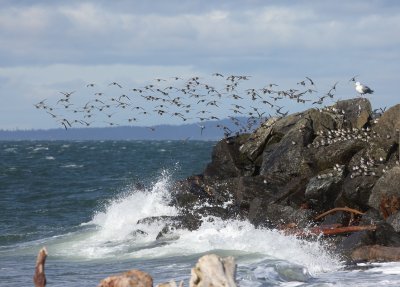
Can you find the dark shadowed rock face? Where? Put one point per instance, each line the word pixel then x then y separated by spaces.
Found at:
pixel 228 162
pixel 394 221
pixel 356 192
pixel 296 167
pixel 385 196
pixel 322 190
pixel 389 124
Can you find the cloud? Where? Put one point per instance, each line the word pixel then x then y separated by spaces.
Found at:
pixel 95 33
pixel 47 45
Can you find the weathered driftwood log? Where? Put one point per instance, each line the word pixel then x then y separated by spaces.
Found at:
pixel 347 209
pixel 212 270
pixel 132 278
pixel 328 230
pixel 39 279
pixel 376 253
pixel 172 283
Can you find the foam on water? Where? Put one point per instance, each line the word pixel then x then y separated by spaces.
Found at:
pixel 235 235
pixel 120 218
pixel 72 165
pixel 116 232
pixel 116 228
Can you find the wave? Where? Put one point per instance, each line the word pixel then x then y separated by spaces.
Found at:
pixel 72 165
pixel 116 232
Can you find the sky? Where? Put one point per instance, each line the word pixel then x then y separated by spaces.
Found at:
pixel 48 47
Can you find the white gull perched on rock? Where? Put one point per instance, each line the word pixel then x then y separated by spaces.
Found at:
pixel 362 89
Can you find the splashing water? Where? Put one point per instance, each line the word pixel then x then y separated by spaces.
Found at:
pixel 117 233
pixel 115 230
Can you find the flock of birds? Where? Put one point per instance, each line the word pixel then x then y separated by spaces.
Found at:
pixel 188 100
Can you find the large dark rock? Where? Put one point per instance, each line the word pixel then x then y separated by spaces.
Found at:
pixel 384 234
pixel 394 221
pixel 322 190
pixel 169 224
pixel 228 161
pixel 388 125
pixel 385 196
pixel 336 153
pixel 276 215
pixel 357 112
pixel 289 156
pixel 356 192
pixel 255 144
pixel 298 166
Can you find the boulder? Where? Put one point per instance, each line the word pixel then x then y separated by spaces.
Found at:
pixel 227 161
pixel 273 215
pixel 357 112
pixel 356 192
pixel 385 196
pixel 322 190
pixel 394 221
pixel 169 224
pixel 340 152
pixel 254 146
pixel 383 235
pixel 388 125
pixel 289 155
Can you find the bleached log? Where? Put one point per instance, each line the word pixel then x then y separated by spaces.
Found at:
pixel 172 283
pixel 39 279
pixel 376 253
pixel 212 270
pixel 132 278
pixel 328 230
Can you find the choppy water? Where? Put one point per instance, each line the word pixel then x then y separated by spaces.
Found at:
pixel 82 200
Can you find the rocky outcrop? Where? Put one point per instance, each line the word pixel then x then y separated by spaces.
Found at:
pixel 293 168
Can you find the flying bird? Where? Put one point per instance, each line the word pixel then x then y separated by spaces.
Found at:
pixel 115 84
pixel 353 79
pixel 311 81
pixel 362 89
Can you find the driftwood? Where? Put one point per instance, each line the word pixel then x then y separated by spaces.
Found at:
pixel 328 230
pixel 39 279
pixel 172 283
pixel 132 278
pixel 346 209
pixel 212 270
pixel 376 253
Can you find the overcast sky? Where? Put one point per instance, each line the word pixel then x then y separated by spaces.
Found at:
pixel 51 46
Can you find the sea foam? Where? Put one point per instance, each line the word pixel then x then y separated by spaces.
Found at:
pixel 116 232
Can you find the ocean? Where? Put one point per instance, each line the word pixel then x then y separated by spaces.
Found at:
pixel 83 200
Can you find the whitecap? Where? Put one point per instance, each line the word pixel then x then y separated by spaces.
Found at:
pixel 72 165
pixel 10 150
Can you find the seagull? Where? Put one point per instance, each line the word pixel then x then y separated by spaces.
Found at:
pixel 362 89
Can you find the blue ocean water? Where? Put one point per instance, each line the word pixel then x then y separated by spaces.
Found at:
pixel 83 200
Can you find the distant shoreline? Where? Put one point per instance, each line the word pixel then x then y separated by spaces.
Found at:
pixel 161 132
